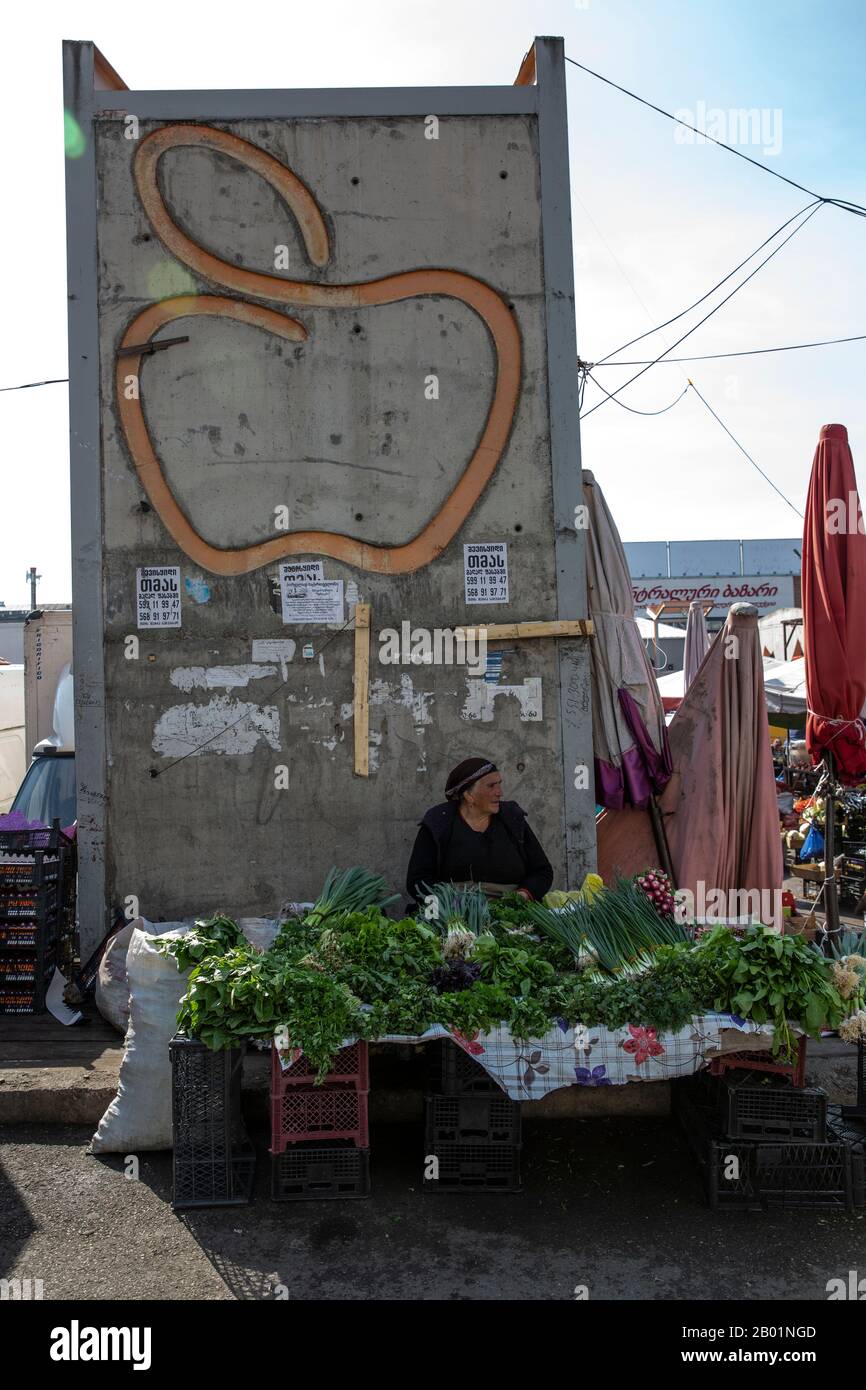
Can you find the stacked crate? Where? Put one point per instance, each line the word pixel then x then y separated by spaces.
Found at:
pixel 320 1133
pixel 214 1161
pixel 36 872
pixel 472 1130
pixel 763 1143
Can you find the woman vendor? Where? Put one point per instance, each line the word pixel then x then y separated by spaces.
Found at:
pixel 476 837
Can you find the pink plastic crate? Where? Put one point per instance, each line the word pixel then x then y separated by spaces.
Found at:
pixel 324 1112
pixel 351 1067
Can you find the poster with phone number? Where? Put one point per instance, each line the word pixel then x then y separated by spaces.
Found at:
pixel 157 589
pixel 485 572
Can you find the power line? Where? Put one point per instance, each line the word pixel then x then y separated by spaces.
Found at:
pixel 724 281
pixel 744 451
pixel 716 356
pixel 631 408
pixel 815 208
pixel 28 385
pixel 842 203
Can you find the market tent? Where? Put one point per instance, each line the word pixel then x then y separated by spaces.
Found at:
pixel 666 631
pixel 697 642
pixel 784 690
pixel 629 737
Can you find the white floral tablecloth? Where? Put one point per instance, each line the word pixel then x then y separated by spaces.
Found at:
pixel 579 1056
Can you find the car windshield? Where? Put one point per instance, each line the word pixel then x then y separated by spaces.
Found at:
pixel 47 791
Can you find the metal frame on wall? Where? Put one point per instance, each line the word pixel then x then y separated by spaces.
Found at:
pixel 94 92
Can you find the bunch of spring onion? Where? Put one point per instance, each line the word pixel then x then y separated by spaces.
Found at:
pixel 619 925
pixel 454 908
pixel 353 890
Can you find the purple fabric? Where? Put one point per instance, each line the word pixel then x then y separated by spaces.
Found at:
pixel 644 771
pixel 626 785
pixel 16 820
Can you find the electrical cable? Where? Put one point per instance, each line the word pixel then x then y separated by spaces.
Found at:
pixel 744 451
pixel 842 203
pixel 158 772
pixel 724 281
pixel 631 408
pixel 747 352
pixel 815 208
pixel 28 385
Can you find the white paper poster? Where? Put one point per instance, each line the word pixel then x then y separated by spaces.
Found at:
pixel 310 600
pixel 485 572
pixel 157 589
pixel 303 570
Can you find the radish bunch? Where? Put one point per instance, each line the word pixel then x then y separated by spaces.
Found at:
pixel 657 887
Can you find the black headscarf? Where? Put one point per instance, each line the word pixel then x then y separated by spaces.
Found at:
pixel 465 774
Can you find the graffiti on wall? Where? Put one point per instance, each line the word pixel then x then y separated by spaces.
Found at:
pixel 391 289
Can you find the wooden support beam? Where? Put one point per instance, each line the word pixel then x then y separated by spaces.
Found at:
pixel 561 627
pixel 362 689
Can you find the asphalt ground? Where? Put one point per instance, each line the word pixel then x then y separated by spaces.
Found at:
pixel 615 1205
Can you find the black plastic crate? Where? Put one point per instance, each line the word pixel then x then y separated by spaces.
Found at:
pixel 453 1072
pixel 26 996
pixel 770 1107
pixel 766 1173
pixel 473 1168
pixel 320 1172
pixel 471 1119
pixel 200 1183
pixel 27 935
pixel 214 1163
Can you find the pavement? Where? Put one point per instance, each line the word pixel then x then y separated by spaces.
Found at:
pixel 612 1204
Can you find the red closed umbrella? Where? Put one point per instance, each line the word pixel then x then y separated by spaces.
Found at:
pixel 834 627
pixel 834 609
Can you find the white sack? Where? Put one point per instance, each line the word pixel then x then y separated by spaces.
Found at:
pixel 139 1117
pixel 112 984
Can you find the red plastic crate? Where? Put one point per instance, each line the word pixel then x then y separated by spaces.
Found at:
pixel 351 1067
pixel 762 1061
pixel 300 1115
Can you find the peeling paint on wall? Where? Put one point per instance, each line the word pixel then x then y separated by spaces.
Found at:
pixel 375 746
pixel 481 697
pixel 223 726
pixel 416 701
pixel 218 677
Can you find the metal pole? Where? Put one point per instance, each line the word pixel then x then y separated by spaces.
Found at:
pixel 831 896
pixel 33 576
pixel 661 840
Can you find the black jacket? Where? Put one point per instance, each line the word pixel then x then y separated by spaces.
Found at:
pixel 429 861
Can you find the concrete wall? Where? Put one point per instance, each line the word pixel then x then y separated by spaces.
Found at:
pixel 339 429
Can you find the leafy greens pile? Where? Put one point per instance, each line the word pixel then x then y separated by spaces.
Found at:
pixel 347 970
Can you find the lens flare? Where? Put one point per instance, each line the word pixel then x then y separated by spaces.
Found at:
pixel 74 140
pixel 167 279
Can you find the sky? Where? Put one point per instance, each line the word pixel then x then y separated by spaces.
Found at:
pixel 657 221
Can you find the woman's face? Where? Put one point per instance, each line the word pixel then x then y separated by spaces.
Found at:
pixel 486 794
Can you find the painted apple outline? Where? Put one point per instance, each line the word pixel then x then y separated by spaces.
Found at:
pixel 440 530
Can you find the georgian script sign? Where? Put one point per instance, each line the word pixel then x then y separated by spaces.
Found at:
pixel 766 592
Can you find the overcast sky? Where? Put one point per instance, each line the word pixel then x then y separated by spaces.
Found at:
pixel 657 222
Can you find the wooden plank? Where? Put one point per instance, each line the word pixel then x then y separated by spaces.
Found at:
pixel 362 689
pixel 562 627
